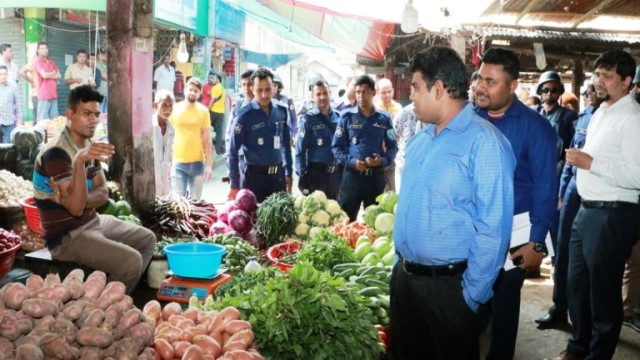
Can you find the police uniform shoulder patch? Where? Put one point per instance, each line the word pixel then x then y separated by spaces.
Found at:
pixel 339 132
pixel 391 134
pixel 301 134
pixel 237 129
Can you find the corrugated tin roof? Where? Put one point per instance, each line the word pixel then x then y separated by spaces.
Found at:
pixel 494 32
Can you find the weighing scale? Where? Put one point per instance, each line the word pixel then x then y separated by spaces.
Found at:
pixel 180 289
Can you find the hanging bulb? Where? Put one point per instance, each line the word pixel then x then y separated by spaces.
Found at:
pixel 409 23
pixel 183 54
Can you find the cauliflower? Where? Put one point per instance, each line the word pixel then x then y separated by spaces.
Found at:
pixel 302 219
pixel 314 230
pixel 299 202
pixel 321 218
pixel 320 197
pixel 333 208
pixel 302 229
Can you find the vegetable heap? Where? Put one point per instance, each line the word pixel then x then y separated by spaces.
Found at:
pixel 72 319
pixel 13 189
pixel 238 251
pixel 31 241
pixel 8 240
pixel 325 250
pixel 307 315
pixel 178 216
pixel 315 212
pixel 381 217
pixel 276 219
pixel 237 217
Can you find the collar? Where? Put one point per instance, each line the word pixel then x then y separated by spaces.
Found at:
pixel 459 122
pixel 67 137
pixel 621 102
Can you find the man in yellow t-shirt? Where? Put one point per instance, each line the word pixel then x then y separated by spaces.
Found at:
pixel 192 153
pixel 216 106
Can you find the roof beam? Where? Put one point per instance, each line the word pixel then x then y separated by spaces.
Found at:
pixel 590 13
pixel 527 9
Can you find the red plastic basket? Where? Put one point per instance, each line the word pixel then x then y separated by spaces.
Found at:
pixel 278 251
pixel 32 214
pixel 7 258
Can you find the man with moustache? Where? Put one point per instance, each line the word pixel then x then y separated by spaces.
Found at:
pixel 606 226
pixel 315 163
pixel 261 132
pixel 453 219
pixel 48 74
pixel 535 185
pixel 163 134
pixel 192 148
pixel 79 73
pixel 245 85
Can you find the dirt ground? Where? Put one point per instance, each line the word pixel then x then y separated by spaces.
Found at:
pixel 534 344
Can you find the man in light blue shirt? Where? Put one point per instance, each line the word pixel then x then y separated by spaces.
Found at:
pixel 454 217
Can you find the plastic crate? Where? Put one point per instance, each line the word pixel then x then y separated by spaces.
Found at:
pixel 32 214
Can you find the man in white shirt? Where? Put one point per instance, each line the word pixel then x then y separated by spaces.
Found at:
pixel 79 73
pixel 606 226
pixel 163 134
pixel 164 78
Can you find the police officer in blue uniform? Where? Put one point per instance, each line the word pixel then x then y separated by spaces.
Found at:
pixel 262 133
pixel 315 163
pixel 292 121
pixel 359 143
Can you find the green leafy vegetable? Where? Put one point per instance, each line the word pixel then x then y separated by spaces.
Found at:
pixel 276 218
pixel 325 250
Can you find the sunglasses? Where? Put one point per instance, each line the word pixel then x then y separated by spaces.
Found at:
pixel 550 90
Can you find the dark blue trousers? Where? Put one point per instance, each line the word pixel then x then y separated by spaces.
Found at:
pixel 601 241
pixel 568 212
pixel 357 189
pixel 505 314
pixel 263 185
pixel 317 179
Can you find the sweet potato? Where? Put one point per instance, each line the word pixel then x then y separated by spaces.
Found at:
pixel 125 303
pixel 175 319
pixel 61 293
pixel 75 289
pixel 142 331
pixel 111 350
pixel 129 348
pixel 229 313
pixel 50 280
pixel 161 326
pixel 199 330
pixel 180 347
pixel 43 323
pixel 75 275
pixel 172 308
pixel 90 352
pixel 205 317
pixel 9 328
pixel 34 283
pixel 73 309
pixel 218 324
pixel 25 322
pixel 129 319
pixel 233 345
pixel 54 346
pixel 164 349
pixel 64 328
pixel 37 308
pixel 112 293
pixel 193 352
pixel 208 345
pixel 14 294
pixel 191 314
pixel 91 336
pixel 6 347
pixel 217 336
pixel 147 354
pixel 112 315
pixel 245 336
pixel 153 309
pixel 185 324
pixel 94 284
pixel 234 326
pixel 29 352
pixel 94 319
pixel 239 355
pixel 256 355
pixel 208 357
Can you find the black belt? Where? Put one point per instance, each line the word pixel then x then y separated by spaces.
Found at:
pixel 433 270
pixel 369 171
pixel 607 204
pixel 257 169
pixel 324 167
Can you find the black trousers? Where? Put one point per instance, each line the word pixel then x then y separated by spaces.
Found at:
pixel 263 185
pixel 430 319
pixel 601 241
pixel 357 189
pixel 505 314
pixel 317 179
pixel 217 123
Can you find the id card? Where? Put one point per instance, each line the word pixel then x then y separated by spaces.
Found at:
pixel 276 142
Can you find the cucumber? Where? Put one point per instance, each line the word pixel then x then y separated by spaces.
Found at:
pixel 369 270
pixel 370 291
pixel 373 303
pixel 346 273
pixel 377 283
pixel 385 301
pixel 362 279
pixel 381 313
pixel 361 269
pixel 342 267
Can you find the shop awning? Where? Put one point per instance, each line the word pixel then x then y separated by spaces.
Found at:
pixel 363 36
pixel 93 5
pixel 265 59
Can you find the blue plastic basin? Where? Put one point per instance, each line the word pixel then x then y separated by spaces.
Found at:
pixel 194 260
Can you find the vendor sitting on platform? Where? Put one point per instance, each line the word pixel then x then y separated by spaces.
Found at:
pixel 69 184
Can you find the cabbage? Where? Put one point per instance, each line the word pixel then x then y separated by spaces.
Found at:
pixel 240 221
pixel 384 223
pixel 370 214
pixel 387 201
pixel 246 200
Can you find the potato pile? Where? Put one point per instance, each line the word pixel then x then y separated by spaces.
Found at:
pixel 31 241
pixel 72 319
pixel 201 335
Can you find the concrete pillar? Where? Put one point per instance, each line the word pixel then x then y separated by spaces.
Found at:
pixel 130 49
pixel 33 32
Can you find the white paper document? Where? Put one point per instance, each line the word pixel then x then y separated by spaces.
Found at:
pixel 520 235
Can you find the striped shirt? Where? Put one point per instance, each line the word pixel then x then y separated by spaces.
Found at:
pixel 9 105
pixel 456 202
pixel 55 162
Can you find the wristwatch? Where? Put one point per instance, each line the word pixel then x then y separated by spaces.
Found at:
pixel 541 248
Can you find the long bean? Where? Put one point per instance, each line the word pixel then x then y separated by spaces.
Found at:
pixel 276 218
